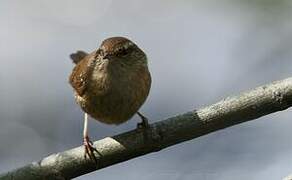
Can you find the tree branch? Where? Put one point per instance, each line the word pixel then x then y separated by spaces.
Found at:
pixel 261 101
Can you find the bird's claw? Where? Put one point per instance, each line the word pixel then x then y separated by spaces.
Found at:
pixel 89 149
pixel 144 124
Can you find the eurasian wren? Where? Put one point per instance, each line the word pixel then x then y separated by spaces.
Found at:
pixel 111 83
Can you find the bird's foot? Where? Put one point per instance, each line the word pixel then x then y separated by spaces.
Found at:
pixel 144 124
pixel 89 149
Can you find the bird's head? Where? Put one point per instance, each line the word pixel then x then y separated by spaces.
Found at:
pixel 120 50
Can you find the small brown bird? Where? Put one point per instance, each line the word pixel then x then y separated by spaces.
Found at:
pixel 110 84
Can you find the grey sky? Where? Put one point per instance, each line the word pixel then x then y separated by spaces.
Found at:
pixel 199 52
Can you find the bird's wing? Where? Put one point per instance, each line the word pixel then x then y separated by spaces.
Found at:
pixel 80 74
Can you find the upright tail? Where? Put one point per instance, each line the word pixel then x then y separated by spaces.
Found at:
pixel 78 56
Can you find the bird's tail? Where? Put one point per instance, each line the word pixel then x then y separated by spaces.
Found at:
pixel 78 56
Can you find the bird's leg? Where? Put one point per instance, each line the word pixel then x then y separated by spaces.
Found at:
pixel 144 124
pixel 88 145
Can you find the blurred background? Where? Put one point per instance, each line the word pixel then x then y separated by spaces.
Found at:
pixel 199 52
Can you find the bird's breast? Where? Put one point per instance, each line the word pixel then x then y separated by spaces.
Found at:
pixel 114 97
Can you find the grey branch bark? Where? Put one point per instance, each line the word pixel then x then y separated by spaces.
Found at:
pixel 230 111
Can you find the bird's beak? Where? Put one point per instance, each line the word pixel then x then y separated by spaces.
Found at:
pixel 106 56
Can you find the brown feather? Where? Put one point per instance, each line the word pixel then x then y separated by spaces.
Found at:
pixel 112 89
pixel 78 56
pixel 80 74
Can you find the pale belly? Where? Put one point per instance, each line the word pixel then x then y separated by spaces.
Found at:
pixel 116 105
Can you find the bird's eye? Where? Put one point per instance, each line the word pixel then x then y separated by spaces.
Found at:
pixel 122 52
pixel 101 52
